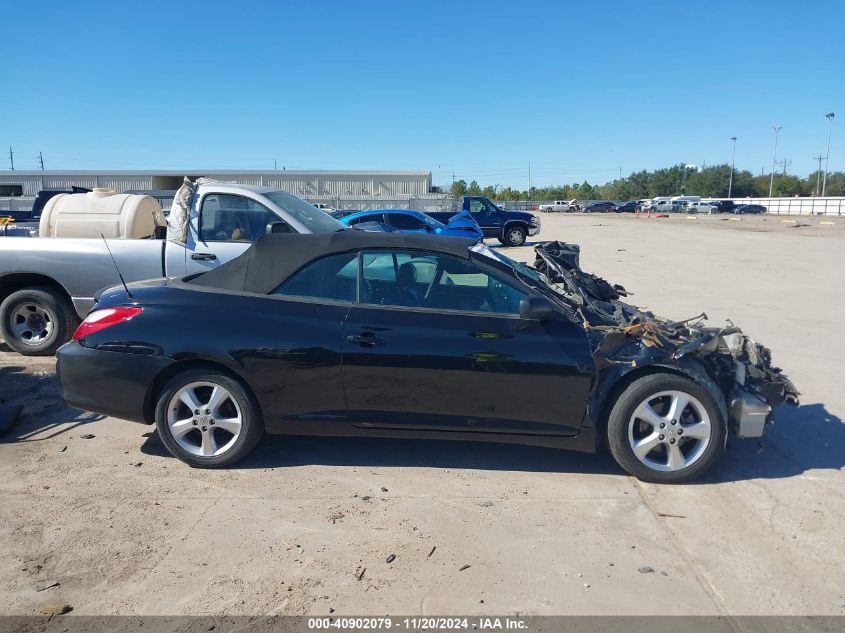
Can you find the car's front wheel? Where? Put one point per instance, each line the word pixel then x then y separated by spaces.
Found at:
pixel 514 235
pixel 665 428
pixel 208 419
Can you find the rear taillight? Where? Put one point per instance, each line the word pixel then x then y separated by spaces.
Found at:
pixel 101 319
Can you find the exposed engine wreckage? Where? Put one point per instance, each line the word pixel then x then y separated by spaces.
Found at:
pixel 736 370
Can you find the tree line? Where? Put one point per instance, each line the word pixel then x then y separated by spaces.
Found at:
pixel 707 182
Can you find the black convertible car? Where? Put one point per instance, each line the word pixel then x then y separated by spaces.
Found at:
pixel 393 334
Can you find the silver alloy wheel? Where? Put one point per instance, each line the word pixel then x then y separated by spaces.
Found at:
pixel 515 237
pixel 204 419
pixel 31 323
pixel 669 431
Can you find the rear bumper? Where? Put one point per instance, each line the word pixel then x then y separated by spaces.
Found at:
pixel 115 384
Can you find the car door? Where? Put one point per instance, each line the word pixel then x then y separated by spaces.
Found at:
pixel 436 342
pixel 485 217
pixel 226 225
pixel 296 358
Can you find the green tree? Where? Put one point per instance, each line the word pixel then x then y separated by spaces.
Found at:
pixel 474 189
pixel 586 191
pixel 459 189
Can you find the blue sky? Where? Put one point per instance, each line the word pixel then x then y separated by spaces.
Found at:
pixel 480 89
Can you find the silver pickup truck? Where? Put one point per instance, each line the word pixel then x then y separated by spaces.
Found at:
pixel 48 284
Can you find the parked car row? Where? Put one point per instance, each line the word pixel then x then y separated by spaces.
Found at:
pixel 665 204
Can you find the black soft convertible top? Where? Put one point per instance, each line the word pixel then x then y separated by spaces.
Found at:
pixel 274 258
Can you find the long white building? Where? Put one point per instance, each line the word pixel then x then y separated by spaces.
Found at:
pixel 313 185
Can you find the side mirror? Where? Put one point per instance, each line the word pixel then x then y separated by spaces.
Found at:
pixel 536 307
pixel 278 227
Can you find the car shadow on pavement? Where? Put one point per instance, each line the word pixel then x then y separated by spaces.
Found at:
pixel 44 413
pixel 803 438
pixel 822 447
pixel 280 451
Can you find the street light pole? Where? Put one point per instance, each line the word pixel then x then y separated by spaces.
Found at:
pixel 777 129
pixel 733 161
pixel 829 116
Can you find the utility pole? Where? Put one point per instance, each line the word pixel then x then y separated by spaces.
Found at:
pixel 784 163
pixel 777 129
pixel 829 116
pixel 12 157
pixel 529 181
pixel 41 160
pixel 275 166
pixel 819 175
pixel 733 162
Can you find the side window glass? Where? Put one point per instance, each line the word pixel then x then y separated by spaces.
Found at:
pixel 434 281
pixel 333 277
pixel 404 222
pixel 476 206
pixel 232 218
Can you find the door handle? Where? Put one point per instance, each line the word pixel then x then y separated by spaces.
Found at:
pixel 204 256
pixel 366 339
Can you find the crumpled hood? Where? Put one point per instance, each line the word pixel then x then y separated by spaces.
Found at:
pixel 620 333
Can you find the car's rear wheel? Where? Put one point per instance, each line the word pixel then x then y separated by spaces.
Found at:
pixel 515 235
pixel 665 428
pixel 208 419
pixel 37 321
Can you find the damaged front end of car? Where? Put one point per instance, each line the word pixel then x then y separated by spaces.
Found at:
pixel 735 369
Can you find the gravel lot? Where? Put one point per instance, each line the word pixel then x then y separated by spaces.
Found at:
pixel 306 525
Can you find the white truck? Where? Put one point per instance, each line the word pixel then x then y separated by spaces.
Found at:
pixel 559 206
pixel 47 284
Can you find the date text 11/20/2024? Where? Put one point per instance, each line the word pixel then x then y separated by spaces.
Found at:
pixel 418 623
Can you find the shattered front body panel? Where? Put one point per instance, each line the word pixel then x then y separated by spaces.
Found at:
pixel 736 370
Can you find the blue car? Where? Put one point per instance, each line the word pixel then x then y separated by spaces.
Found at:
pixel 407 221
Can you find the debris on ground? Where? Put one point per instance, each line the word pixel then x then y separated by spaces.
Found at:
pixel 383 489
pixel 57 608
pixel 671 516
pixel 391 558
pixel 486 504
pixel 646 570
pixel 87 436
pixel 464 567
pixel 49 586
pixel 61 449
pixel 432 551
pixel 360 573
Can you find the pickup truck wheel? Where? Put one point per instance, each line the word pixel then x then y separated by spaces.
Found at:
pixel 208 419
pixel 514 236
pixel 37 321
pixel 665 428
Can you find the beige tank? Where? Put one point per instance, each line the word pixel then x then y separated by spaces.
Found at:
pixel 101 212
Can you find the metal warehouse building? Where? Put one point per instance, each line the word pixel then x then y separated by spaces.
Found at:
pixel 355 189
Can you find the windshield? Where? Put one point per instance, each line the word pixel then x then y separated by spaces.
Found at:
pixel 432 222
pixel 313 218
pixel 519 267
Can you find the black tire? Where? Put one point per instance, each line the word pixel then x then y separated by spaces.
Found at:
pixel 623 410
pixel 252 425
pixel 514 235
pixel 51 311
